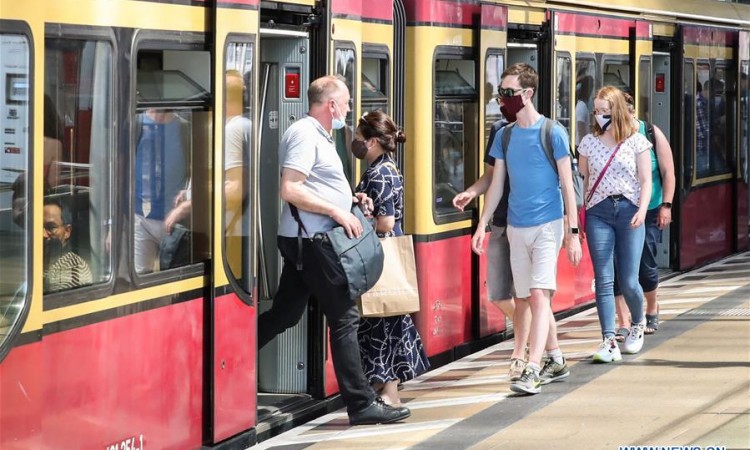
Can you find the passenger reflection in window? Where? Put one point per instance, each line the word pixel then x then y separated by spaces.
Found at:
pixel 53 147
pixel 63 269
pixel 161 180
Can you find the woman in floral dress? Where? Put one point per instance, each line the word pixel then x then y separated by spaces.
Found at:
pixel 391 348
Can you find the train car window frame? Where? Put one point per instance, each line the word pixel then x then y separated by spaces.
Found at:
pixel 168 41
pixel 102 229
pixel 343 137
pixel 743 148
pixel 563 59
pixel 689 137
pixel 381 56
pixel 707 71
pixel 465 96
pixel 584 75
pixel 15 311
pixel 243 283
pixel 645 75
pixel 492 111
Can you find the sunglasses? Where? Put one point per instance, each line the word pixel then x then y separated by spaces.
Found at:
pixel 508 92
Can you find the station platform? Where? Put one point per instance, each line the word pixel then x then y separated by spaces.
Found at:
pixel 688 388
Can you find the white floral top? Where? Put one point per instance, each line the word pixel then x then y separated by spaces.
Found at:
pixel 621 177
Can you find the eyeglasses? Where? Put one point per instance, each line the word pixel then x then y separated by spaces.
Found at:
pixel 50 227
pixel 508 92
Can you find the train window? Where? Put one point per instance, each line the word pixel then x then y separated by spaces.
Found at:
pixel 494 65
pixel 691 128
pixel 172 153
pixel 644 89
pixel 238 207
pixel 616 72
pixel 562 105
pixel 78 148
pixel 15 57
pixel 455 138
pixel 375 79
pixel 345 66
pixel 715 116
pixel 585 76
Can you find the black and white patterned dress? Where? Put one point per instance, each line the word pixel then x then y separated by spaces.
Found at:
pixel 390 347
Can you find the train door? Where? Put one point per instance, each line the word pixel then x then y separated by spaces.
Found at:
pixel 492 62
pixel 283 363
pixel 707 158
pixel 743 169
pixel 657 108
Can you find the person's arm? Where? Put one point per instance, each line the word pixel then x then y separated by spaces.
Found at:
pixel 666 169
pixel 294 192
pixel 643 163
pixel 491 199
pixel 233 188
pixel 571 211
pixel 478 188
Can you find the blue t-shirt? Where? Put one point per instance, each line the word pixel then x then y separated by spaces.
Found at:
pixel 535 195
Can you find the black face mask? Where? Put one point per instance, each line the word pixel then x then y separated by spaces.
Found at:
pixel 359 149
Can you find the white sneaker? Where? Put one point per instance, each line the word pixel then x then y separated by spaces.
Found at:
pixel 634 342
pixel 608 351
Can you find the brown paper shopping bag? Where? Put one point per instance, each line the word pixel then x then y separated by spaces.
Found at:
pixel 396 291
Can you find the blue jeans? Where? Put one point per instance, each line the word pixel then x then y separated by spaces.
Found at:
pixel 611 237
pixel 648 274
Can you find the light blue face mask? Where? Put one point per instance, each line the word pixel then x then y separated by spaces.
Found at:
pixel 337 123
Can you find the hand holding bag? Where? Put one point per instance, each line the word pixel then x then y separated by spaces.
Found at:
pixel 396 292
pixel 360 259
pixel 582 211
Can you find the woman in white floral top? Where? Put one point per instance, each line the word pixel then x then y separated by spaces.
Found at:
pixel 615 211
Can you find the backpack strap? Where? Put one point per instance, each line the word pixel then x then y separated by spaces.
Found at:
pixel 505 141
pixel 547 142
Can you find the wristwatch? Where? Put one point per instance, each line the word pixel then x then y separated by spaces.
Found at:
pixel 667 205
pixel 573 230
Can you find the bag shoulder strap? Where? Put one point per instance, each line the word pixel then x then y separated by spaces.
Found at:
pixel 601 174
pixel 505 141
pixel 549 150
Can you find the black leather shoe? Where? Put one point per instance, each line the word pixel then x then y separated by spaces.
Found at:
pixel 378 412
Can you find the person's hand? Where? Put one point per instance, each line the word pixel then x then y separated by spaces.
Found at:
pixel 573 248
pixel 365 203
pixel 477 241
pixel 462 199
pixel 349 221
pixel 176 215
pixel 638 219
pixel 664 218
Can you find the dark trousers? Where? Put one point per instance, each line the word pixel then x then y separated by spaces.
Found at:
pixel 326 284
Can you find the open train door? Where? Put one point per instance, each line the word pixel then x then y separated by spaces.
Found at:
pixel 492 62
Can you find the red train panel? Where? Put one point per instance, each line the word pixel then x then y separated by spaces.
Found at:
pixel 444 278
pixel 707 217
pixel 235 406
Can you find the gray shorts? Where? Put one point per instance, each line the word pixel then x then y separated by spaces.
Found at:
pixel 499 275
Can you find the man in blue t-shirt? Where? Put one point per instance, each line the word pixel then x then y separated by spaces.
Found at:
pixel 499 276
pixel 535 218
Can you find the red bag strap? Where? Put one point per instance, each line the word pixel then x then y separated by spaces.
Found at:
pixel 601 174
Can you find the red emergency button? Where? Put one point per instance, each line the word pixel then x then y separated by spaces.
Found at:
pixel 659 83
pixel 291 82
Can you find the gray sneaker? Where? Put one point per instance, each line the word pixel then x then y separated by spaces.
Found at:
pixel 516 369
pixel 553 371
pixel 528 384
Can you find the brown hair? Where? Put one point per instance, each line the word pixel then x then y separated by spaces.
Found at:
pixel 380 126
pixel 527 76
pixel 621 124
